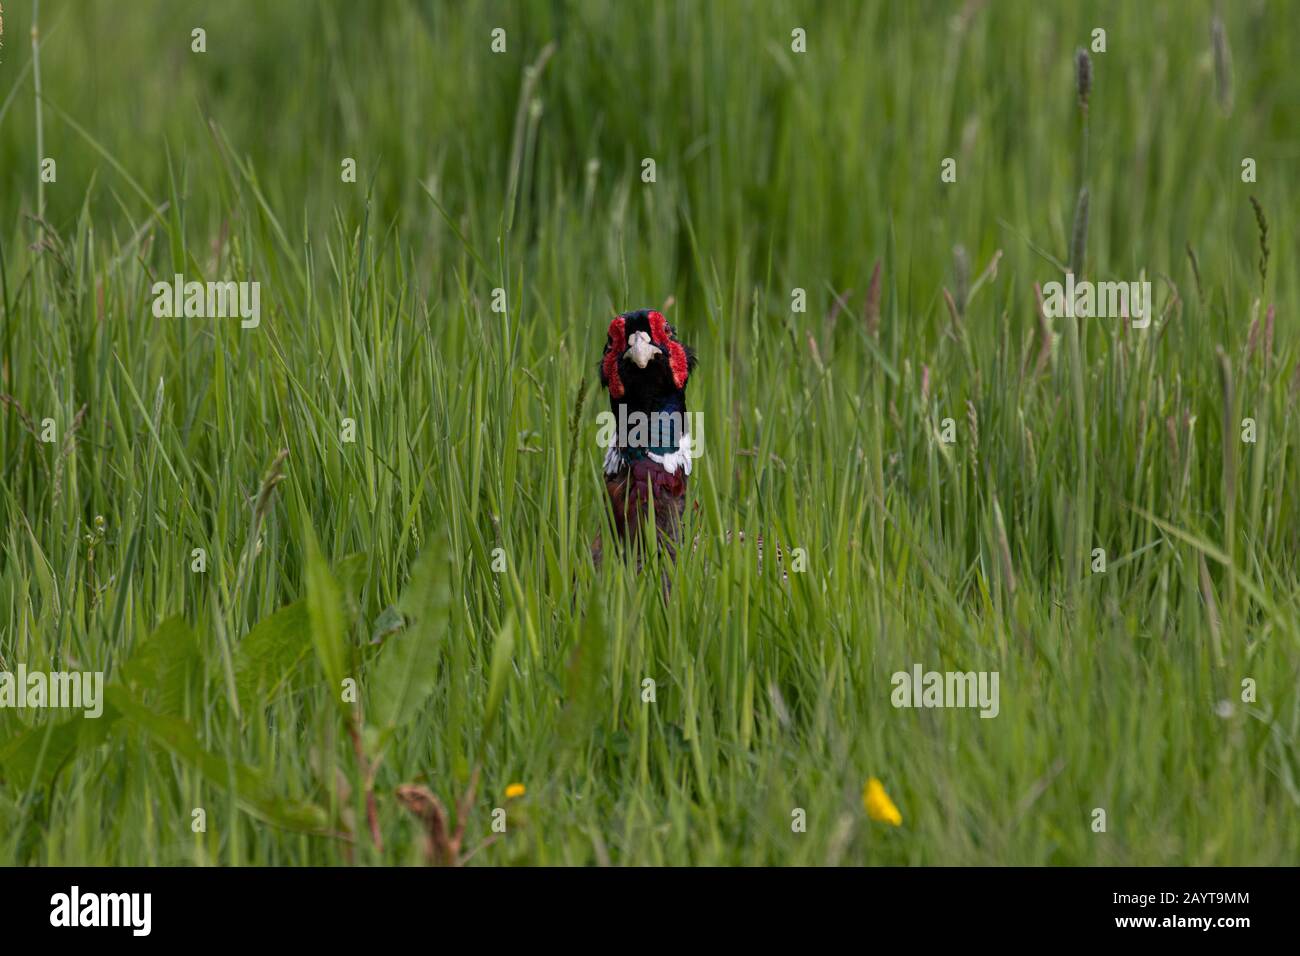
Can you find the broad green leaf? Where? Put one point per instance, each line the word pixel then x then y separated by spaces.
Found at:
pixel 163 668
pixel 585 675
pixel 328 623
pixel 502 653
pixel 37 753
pixel 269 654
pixel 44 576
pixel 251 788
pixel 389 622
pixel 407 671
pixel 352 572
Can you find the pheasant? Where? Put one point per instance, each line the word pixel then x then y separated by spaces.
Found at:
pixel 645 369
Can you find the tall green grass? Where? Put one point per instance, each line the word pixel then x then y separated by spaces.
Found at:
pixel 373 561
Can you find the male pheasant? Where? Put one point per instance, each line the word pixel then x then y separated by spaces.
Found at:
pixel 645 369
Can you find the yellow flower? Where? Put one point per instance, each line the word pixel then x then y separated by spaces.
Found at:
pixel 515 790
pixel 879 806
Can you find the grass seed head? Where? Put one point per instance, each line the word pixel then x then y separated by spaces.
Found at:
pixel 961 276
pixel 1262 224
pixel 1083 76
pixel 871 310
pixel 1222 65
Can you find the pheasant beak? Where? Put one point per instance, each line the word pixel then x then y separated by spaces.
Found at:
pixel 640 349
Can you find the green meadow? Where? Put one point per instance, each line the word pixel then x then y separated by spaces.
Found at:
pixel 335 567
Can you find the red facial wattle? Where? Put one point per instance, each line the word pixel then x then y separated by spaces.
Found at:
pixel 617 346
pixel 676 354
